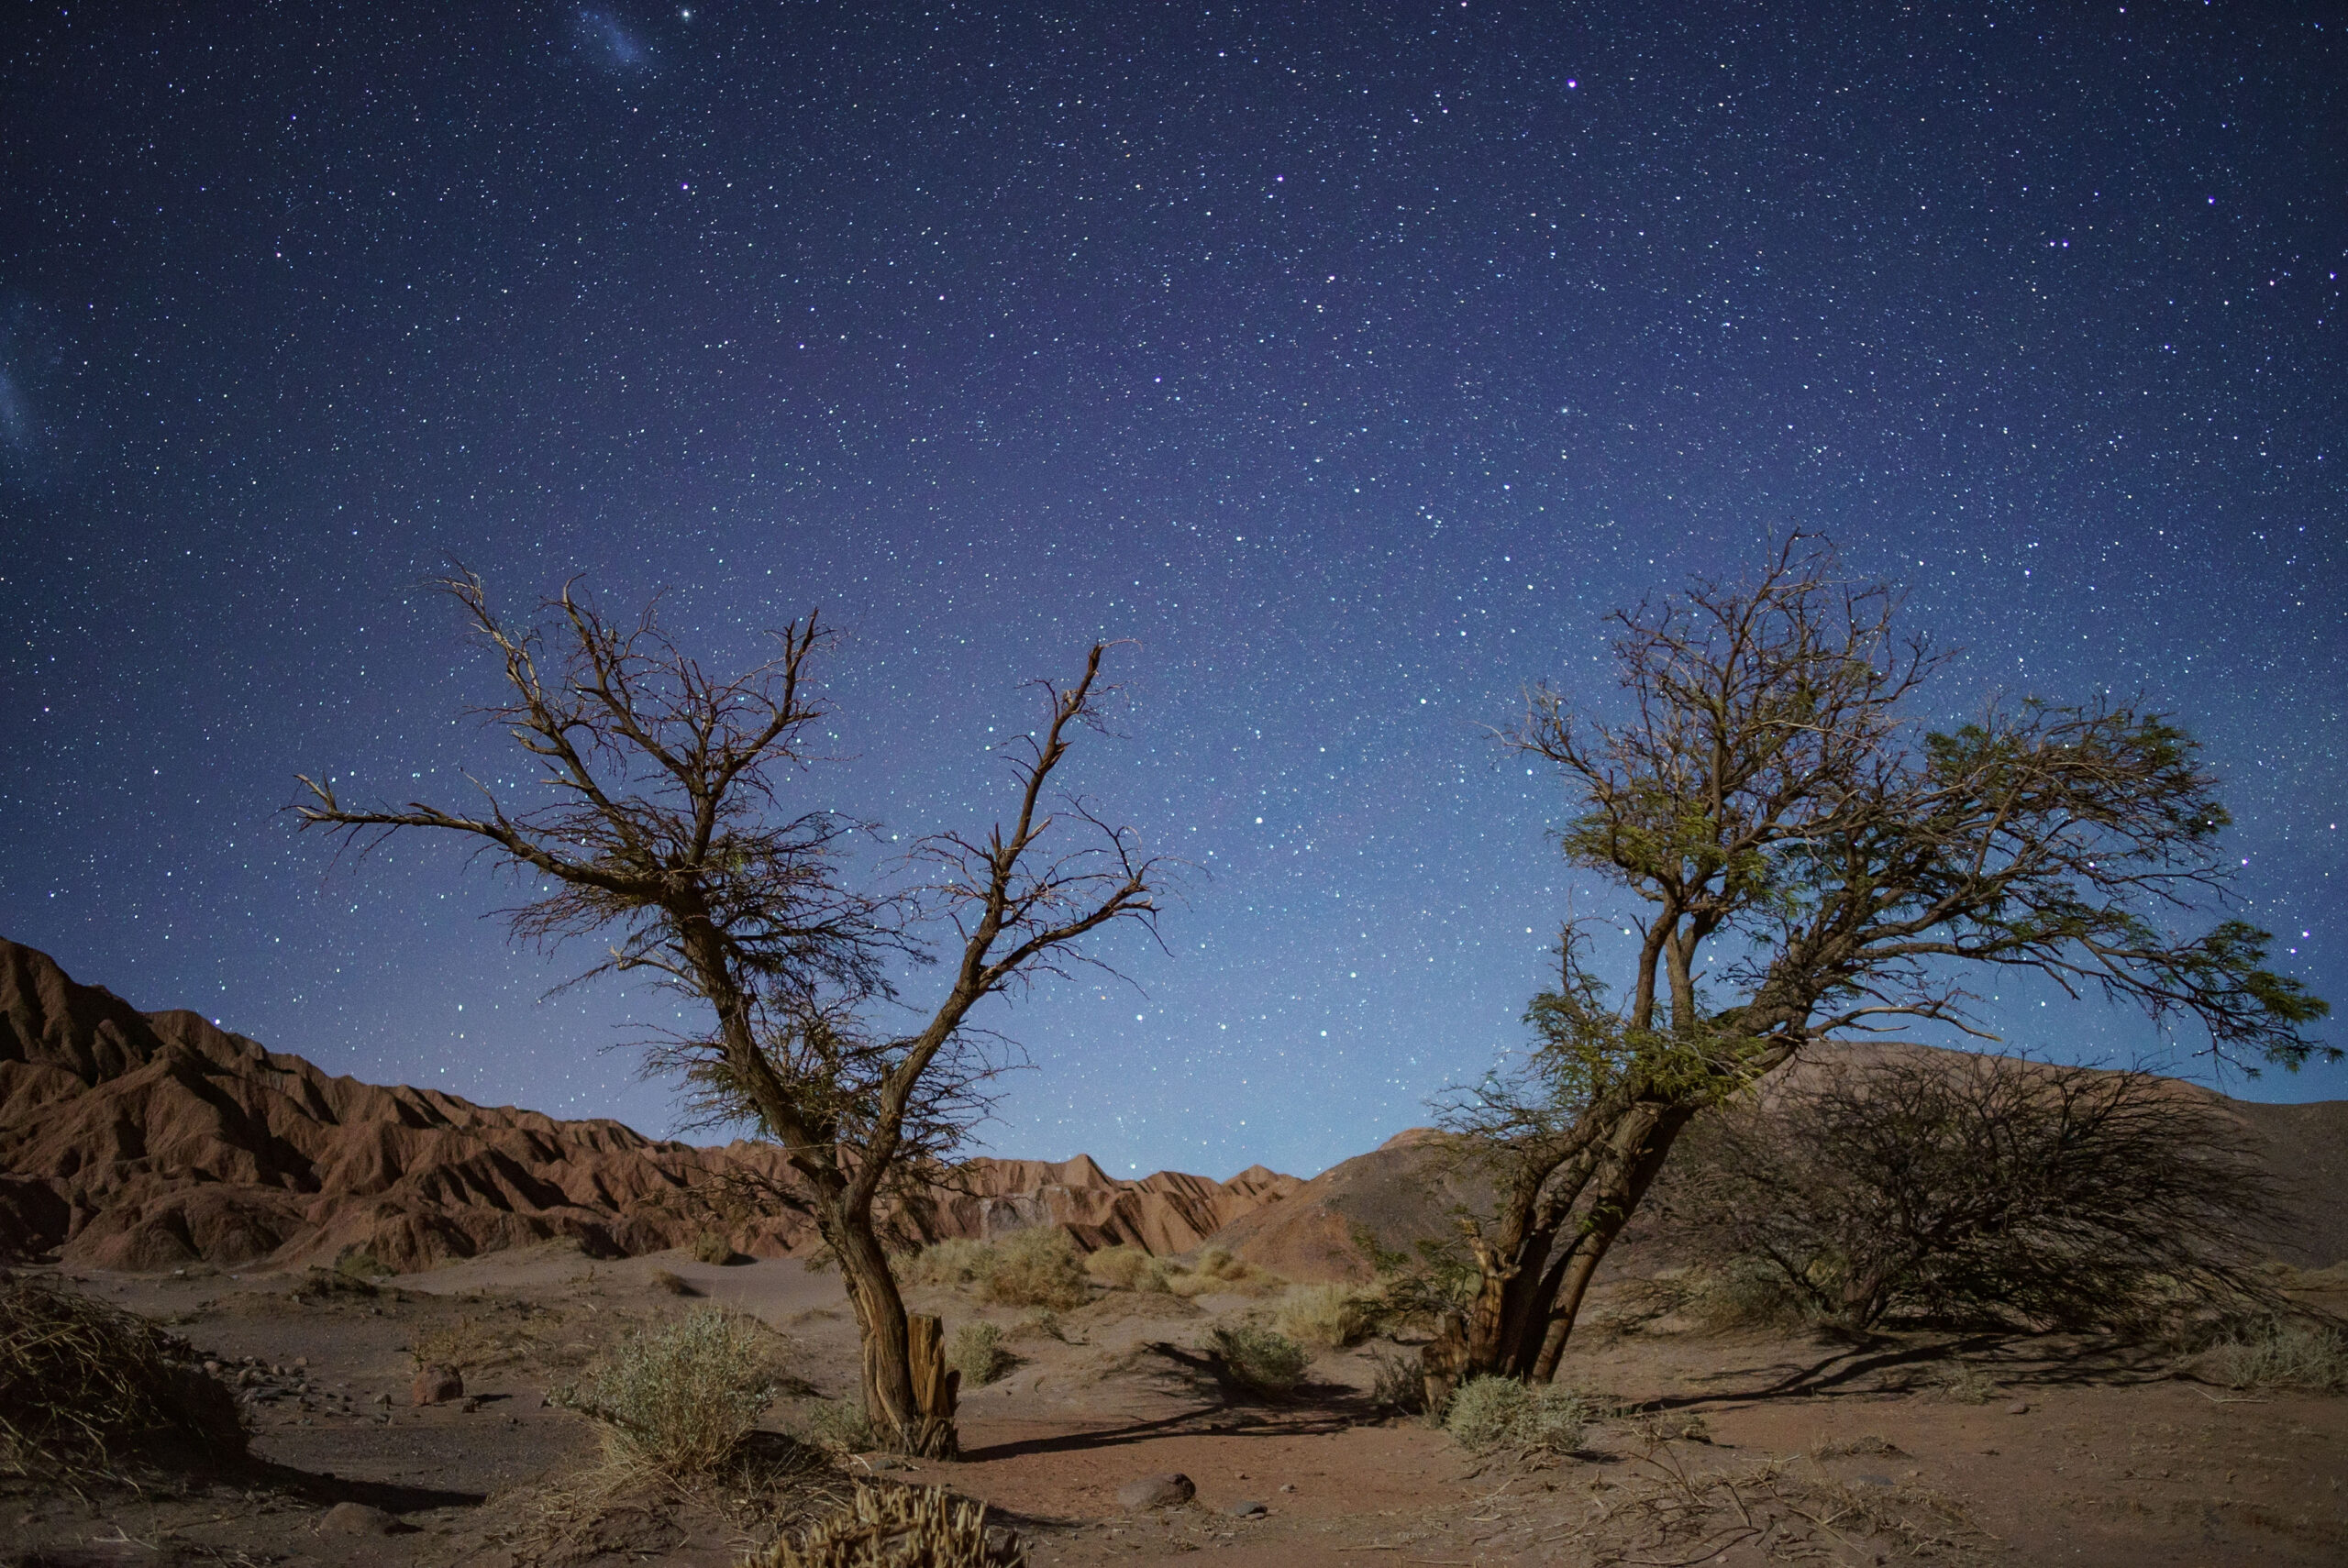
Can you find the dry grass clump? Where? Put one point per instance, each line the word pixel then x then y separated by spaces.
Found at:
pixel 709 1247
pixel 948 1264
pixel 1330 1316
pixel 1216 1272
pixel 2282 1352
pixel 841 1426
pixel 83 1385
pixel 679 1398
pixel 1038 1267
pixel 1965 1383
pixel 1128 1267
pixel 1488 1413
pixel 1262 1360
pixel 898 1527
pixel 673 1284
pixel 1398 1380
pixel 976 1352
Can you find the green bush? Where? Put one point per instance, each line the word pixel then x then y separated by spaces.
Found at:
pixel 976 1352
pixel 1038 1267
pixel 1488 1413
pixel 1261 1360
pixel 680 1398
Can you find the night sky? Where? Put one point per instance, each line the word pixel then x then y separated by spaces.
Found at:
pixel 1353 361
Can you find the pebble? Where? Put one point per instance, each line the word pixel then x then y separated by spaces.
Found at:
pixel 1289 1487
pixel 435 1385
pixel 1249 1510
pixel 1170 1489
pixel 2017 1408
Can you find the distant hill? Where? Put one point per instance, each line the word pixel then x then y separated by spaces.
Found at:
pixel 1409 1189
pixel 143 1141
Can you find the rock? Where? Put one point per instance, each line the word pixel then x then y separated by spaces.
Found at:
pixel 358 1518
pixel 435 1385
pixel 1247 1510
pixel 378 1400
pixel 2017 1408
pixel 1289 1487
pixel 471 1404
pixel 1003 1543
pixel 1170 1490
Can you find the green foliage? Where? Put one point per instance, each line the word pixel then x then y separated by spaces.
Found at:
pixel 1488 1413
pixel 841 1426
pixel 678 1399
pixel 1260 1360
pixel 976 1352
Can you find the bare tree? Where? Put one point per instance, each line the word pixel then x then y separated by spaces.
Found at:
pixel 667 826
pixel 1993 1188
pixel 1769 799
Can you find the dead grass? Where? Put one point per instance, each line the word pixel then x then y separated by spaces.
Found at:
pixel 1217 1272
pixel 1329 1316
pixel 709 1247
pixel 2281 1353
pixel 675 1284
pixel 1037 1268
pixel 1127 1267
pixel 84 1386
pixel 901 1526
pixel 1664 1511
pixel 1259 1360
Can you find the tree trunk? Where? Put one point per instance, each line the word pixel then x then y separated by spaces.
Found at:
pixel 1607 1216
pixel 892 1394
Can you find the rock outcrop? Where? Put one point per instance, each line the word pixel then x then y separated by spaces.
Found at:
pixel 154 1140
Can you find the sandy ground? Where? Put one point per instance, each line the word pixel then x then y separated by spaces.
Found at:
pixel 1743 1450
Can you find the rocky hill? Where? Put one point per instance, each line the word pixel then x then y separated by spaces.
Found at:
pixel 1409 1188
pixel 144 1140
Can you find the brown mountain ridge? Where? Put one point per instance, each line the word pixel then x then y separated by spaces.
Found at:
pixel 150 1141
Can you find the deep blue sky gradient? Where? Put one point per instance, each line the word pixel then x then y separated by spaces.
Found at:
pixel 1352 360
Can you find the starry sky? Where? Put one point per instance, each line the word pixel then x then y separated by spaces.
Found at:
pixel 1352 360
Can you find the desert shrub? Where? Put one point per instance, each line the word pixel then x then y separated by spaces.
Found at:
pixel 673 1284
pixel 709 1247
pixel 1980 1187
pixel 678 1399
pixel 843 1426
pixel 1745 1294
pixel 1215 1271
pixel 976 1352
pixel 949 1264
pixel 1488 1413
pixel 85 1384
pixel 1260 1360
pixel 1965 1383
pixel 361 1263
pixel 1038 1267
pixel 1331 1316
pixel 1398 1380
pixel 901 1526
pixel 1127 1267
pixel 2282 1352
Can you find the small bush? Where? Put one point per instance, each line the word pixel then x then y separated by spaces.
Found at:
pixel 673 1284
pixel 1330 1316
pixel 903 1526
pixel 709 1247
pixel 976 1352
pixel 1746 1295
pixel 2283 1354
pixel 1126 1267
pixel 950 1262
pixel 1216 1272
pixel 1038 1267
pixel 1399 1381
pixel 1488 1413
pixel 1260 1360
pixel 361 1263
pixel 843 1426
pixel 84 1383
pixel 679 1398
